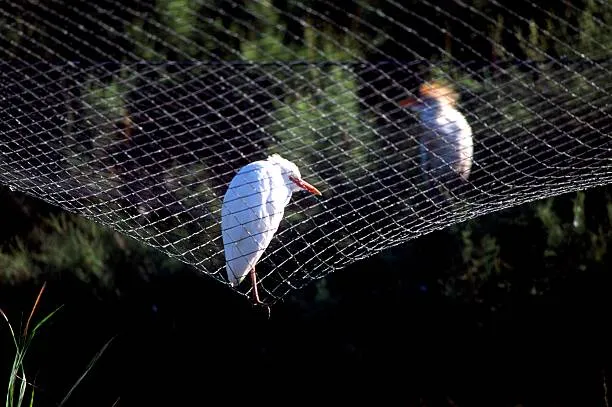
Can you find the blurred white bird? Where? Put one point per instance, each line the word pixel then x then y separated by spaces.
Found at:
pixel 446 147
pixel 253 208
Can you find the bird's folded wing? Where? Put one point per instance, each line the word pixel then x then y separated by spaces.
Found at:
pixel 247 224
pixel 456 147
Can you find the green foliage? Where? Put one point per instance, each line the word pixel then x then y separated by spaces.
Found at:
pixel 268 44
pixel 497 30
pixel 105 100
pixel 174 16
pixel 483 258
pixel 595 30
pixel 543 247
pixel 178 15
pixel 482 266
pixel 533 43
pixel 144 44
pixel 16 264
pixel 104 106
pixel 563 235
pixel 309 125
pixel 552 224
pixel 73 245
pixel 317 44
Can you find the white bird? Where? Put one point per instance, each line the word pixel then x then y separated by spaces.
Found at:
pixel 446 144
pixel 253 207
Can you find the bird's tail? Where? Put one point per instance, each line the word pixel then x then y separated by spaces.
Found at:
pixel 234 278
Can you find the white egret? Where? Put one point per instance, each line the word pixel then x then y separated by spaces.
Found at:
pixel 253 207
pixel 446 144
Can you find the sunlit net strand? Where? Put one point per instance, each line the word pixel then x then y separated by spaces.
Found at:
pixel 27 90
pixel 505 50
pixel 249 26
pixel 67 5
pixel 315 215
pixel 40 74
pixel 416 232
pixel 538 50
pixel 77 133
pixel 52 52
pixel 330 157
pixel 555 126
pixel 527 199
pixel 407 49
pixel 158 26
pixel 417 16
pixel 477 111
pixel 324 18
pixel 464 44
pixel 332 40
pixel 318 51
pixel 513 201
pixel 354 255
pixel 495 207
pixel 35 186
pixel 473 50
pixel 533 107
pixel 576 156
pixel 566 24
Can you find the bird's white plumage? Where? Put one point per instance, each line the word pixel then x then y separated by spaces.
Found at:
pixel 253 207
pixel 447 141
pixel 450 142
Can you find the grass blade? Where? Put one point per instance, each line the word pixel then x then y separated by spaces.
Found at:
pixel 89 367
pixel 11 391
pixel 42 289
pixel 38 325
pixel 22 344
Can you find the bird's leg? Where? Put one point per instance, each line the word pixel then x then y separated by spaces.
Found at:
pixel 256 293
pixel 254 282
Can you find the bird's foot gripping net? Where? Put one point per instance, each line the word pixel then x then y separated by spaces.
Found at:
pixel 138 114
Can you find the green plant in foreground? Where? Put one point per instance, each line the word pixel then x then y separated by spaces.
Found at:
pixel 17 382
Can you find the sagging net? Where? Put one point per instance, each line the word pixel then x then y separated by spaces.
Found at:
pixel 137 114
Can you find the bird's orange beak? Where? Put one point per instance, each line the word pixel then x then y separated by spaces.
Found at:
pixel 305 185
